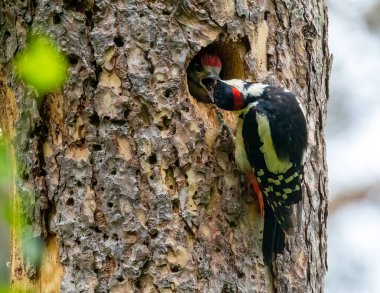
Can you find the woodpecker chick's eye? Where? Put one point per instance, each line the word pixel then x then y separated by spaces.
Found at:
pixel 197 67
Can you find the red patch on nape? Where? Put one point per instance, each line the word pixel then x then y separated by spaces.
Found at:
pixel 211 60
pixel 238 99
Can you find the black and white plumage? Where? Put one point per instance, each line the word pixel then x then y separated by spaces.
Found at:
pixel 270 143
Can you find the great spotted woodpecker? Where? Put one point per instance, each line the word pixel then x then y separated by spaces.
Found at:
pixel 202 74
pixel 270 147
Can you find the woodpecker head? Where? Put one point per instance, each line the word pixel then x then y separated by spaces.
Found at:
pixel 229 97
pixel 202 75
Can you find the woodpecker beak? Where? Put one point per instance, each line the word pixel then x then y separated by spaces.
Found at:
pixel 209 83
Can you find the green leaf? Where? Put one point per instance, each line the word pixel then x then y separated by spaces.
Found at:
pixel 41 65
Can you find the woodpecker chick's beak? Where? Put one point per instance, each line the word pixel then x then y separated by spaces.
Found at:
pixel 202 76
pixel 208 84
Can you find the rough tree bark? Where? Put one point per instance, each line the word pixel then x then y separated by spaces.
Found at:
pixel 130 182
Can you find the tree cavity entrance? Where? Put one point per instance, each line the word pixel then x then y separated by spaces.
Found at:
pixel 232 56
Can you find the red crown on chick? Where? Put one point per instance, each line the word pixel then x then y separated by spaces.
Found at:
pixel 210 60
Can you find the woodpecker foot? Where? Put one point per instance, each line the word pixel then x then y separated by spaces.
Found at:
pixel 256 188
pixel 225 138
pixel 224 126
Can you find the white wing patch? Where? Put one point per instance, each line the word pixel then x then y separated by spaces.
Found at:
pixel 238 83
pixel 273 163
pixel 256 89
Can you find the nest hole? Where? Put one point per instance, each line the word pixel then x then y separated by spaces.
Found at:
pixel 232 56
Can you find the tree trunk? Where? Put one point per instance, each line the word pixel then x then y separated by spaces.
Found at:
pixel 130 182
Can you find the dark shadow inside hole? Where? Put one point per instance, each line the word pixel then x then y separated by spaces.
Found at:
pixel 165 123
pixel 57 19
pixel 152 159
pixel 126 113
pixel 94 119
pixel 70 201
pixel 120 278
pixel 174 268
pixel 169 93
pixel 118 40
pixel 73 59
pixel 96 147
pixel 266 15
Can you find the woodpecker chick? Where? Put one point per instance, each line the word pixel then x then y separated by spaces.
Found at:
pixel 202 74
pixel 270 148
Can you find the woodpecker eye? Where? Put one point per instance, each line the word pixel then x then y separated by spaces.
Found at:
pixel 197 67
